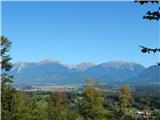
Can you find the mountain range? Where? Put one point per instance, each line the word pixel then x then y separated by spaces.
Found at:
pixel 54 72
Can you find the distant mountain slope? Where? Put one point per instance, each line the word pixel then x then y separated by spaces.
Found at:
pixel 150 75
pixel 41 72
pixel 55 72
pixel 116 70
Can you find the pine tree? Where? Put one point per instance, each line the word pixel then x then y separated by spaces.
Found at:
pixel 7 92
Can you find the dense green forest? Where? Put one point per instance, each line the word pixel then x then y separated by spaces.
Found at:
pixel 92 104
pixel 95 104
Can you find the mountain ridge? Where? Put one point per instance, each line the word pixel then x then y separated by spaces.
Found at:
pixel 111 72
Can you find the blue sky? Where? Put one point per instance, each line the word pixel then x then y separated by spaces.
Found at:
pixel 74 32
